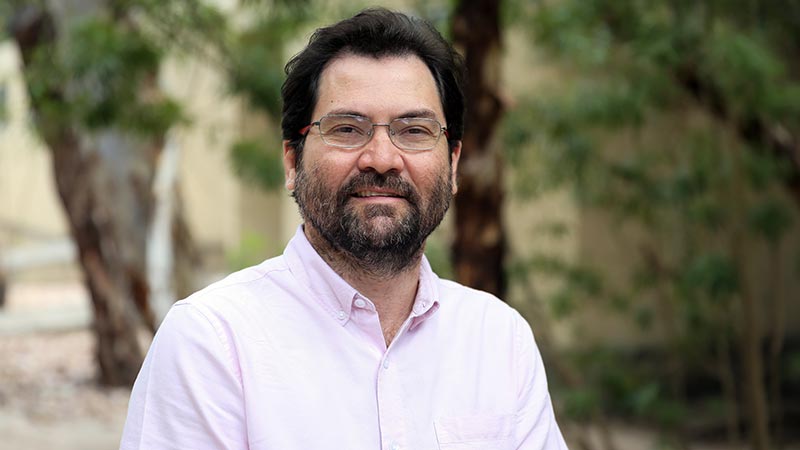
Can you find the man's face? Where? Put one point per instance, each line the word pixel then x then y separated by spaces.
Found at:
pixel 377 202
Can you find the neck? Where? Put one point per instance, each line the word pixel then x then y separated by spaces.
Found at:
pixel 392 293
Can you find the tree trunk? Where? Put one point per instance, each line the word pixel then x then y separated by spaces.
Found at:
pixel 111 283
pixel 104 180
pixel 2 288
pixel 480 242
pixel 171 255
pixel 777 327
pixel 750 327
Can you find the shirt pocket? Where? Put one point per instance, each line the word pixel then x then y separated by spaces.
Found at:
pixel 482 432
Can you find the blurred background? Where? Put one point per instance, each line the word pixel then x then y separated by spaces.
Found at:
pixel 630 181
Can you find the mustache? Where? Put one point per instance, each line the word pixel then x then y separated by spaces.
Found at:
pixel 390 182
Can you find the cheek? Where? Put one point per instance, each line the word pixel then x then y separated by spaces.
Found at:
pixel 332 169
pixel 325 172
pixel 429 172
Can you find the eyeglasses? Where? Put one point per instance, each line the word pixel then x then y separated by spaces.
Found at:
pixel 351 131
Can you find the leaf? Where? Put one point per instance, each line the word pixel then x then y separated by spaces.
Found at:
pixel 743 67
pixel 771 219
pixel 712 273
pixel 257 164
pixel 580 403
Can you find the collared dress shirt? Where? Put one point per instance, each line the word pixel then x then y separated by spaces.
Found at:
pixel 287 355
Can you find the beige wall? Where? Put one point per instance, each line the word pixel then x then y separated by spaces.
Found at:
pixel 29 209
pixel 209 190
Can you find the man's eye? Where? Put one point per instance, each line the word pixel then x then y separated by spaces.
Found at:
pixel 345 129
pixel 416 131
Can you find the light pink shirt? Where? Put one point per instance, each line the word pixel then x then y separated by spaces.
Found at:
pixel 287 356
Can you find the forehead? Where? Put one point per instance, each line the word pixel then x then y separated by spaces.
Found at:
pixel 378 88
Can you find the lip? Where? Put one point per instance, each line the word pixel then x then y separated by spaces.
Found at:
pixel 377 194
pixel 377 197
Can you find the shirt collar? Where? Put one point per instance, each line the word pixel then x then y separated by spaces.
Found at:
pixel 337 296
pixel 327 287
pixel 426 302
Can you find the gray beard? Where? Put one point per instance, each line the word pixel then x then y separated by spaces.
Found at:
pixel 378 252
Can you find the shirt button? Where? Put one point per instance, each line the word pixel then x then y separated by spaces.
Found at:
pixel 341 315
pixel 360 303
pixel 424 304
pixel 395 447
pixel 385 363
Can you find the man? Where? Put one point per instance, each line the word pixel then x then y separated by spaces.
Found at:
pixel 349 340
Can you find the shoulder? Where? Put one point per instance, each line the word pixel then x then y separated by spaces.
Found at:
pixel 243 284
pixel 478 309
pixel 456 296
pixel 243 297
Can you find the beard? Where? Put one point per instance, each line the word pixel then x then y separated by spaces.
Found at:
pixel 379 239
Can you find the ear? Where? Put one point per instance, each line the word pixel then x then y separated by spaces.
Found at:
pixel 454 157
pixel 289 165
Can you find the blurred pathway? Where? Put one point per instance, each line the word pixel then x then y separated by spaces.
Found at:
pixel 48 396
pixel 19 432
pixel 44 307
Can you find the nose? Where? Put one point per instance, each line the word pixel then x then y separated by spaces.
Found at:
pixel 380 154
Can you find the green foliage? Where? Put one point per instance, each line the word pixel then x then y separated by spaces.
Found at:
pixel 3 103
pixel 771 219
pixel 793 366
pixel 438 254
pixel 101 73
pixel 439 13
pixel 258 163
pixel 581 403
pixel 579 282
pixel 255 57
pixel 44 76
pixel 625 384
pixel 112 67
pixel 253 248
pixel 193 27
pixel 665 119
pixel 748 74
pixel 712 274
pixel 258 55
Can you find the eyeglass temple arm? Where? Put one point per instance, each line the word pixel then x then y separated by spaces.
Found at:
pixel 304 130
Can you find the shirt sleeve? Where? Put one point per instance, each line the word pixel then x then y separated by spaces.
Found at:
pixel 188 394
pixel 536 424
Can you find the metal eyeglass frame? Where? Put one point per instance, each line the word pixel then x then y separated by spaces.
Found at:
pixel 443 131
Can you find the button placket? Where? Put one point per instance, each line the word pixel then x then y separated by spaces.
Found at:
pixel 393 413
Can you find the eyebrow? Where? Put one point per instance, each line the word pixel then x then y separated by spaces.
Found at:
pixel 348 112
pixel 424 113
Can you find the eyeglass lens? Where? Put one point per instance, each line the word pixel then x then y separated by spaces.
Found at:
pixel 413 133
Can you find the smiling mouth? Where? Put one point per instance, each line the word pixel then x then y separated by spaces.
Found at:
pixel 367 194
